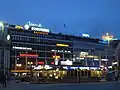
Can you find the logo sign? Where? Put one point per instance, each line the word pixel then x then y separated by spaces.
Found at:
pixel 35 27
pixel 85 35
pixel 29 24
pixel 39 29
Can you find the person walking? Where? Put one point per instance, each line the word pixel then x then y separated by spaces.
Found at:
pixel 3 80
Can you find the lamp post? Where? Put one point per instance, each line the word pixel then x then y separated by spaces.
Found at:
pixel 107 38
pixel 3 47
pixel 31 70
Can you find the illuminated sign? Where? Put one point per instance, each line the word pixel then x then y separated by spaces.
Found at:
pixel 20 70
pixel 61 51
pixel 107 37
pixel 104 42
pixel 85 35
pixel 39 29
pixel 8 37
pixel 33 25
pixel 52 63
pixel 40 32
pixel 56 61
pixel 62 45
pixel 28 55
pixel 68 62
pixel 56 56
pixel 83 53
pixel 24 48
pixel 18 27
pixel 104 59
pixel 41 63
pixel 42 67
pixel 82 68
pixel 88 56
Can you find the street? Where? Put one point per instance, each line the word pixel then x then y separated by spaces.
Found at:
pixel 90 86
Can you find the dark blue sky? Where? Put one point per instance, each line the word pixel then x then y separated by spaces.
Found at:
pixel 95 17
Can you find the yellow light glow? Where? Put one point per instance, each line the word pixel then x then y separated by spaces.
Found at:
pixel 107 37
pixel 63 45
pixel 20 70
pixel 37 32
pixel 30 62
pixel 88 56
pixel 56 56
pixel 18 65
pixel 19 27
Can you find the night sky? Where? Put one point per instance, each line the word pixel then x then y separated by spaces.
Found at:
pixel 95 17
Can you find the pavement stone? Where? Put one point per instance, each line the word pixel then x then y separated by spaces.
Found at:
pixel 87 86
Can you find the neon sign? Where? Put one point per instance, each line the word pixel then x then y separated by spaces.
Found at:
pixel 33 25
pixel 85 35
pixel 28 55
pixel 62 45
pixel 39 29
pixel 41 63
pixel 56 56
pixel 18 27
pixel 36 32
pixel 24 48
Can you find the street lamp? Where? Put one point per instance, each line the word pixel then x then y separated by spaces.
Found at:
pixel 2 26
pixel 107 37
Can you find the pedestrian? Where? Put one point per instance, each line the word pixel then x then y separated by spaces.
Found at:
pixel 4 81
pixel 116 75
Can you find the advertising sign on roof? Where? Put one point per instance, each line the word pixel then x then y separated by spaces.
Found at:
pixel 85 35
pixel 35 27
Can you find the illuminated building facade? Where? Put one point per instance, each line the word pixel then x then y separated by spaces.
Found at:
pixel 115 44
pixel 33 45
pixel 92 52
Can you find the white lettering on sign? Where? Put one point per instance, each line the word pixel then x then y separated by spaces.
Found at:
pixel 14 47
pixel 39 29
pixel 68 62
pixel 34 25
pixel 85 35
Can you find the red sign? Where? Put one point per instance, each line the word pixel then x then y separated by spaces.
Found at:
pixel 28 55
pixel 41 63
pixel 52 63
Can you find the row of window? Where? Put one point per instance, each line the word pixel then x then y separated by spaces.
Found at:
pixel 34 47
pixel 31 33
pixel 37 40
pixel 52 36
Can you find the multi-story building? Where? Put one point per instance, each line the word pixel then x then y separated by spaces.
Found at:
pixel 37 46
pixel 91 52
pixel 115 44
pixel 34 45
